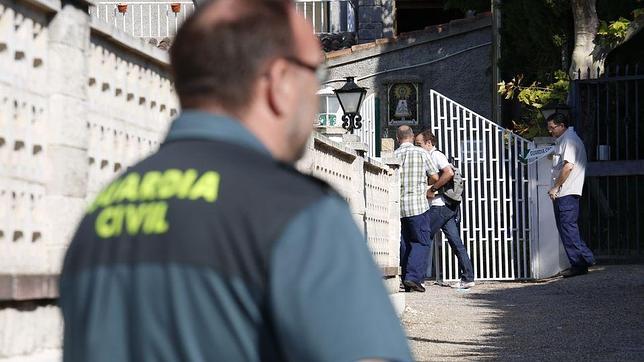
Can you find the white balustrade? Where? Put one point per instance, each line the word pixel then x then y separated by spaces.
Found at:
pixel 152 19
pixel 144 19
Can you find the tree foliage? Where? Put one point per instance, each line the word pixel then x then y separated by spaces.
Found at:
pixel 537 38
pixel 531 124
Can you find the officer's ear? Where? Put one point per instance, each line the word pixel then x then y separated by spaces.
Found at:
pixel 280 88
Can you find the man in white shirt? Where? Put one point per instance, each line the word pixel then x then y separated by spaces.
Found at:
pixel 568 172
pixel 444 215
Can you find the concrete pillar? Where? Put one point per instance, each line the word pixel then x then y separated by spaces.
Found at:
pixel 66 186
pixel 548 256
pixel 354 142
pixel 375 20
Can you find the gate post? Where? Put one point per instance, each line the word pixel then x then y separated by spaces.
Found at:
pixel 547 253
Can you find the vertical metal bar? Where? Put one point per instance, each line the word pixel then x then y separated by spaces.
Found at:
pixel 324 10
pixel 486 216
pixel 504 208
pixel 473 210
pixel 495 203
pixel 521 250
pixel 607 119
pixel 617 114
pixel 597 121
pixel 444 247
pixel 512 196
pixel 502 176
pixel 132 20
pixel 637 119
pixel 350 16
pixel 638 186
pixel 141 19
pixel 454 117
pixel 464 231
pixel 605 179
pixel 479 181
pixel 638 226
pixel 598 87
pixel 432 125
pixel 149 22
pixel 176 23
pixel 524 216
pixel 444 251
pixel 313 15
pixel 449 110
pixel 626 115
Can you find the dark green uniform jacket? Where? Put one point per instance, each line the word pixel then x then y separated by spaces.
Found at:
pixel 210 250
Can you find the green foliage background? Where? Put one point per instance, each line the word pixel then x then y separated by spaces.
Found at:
pixel 537 39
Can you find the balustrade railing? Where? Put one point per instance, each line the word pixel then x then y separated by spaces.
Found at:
pixel 144 19
pixel 160 19
pixel 328 16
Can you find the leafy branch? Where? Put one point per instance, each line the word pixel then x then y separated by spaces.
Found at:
pixel 613 33
pixel 533 97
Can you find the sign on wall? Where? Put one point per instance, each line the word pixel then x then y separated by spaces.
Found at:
pixel 402 103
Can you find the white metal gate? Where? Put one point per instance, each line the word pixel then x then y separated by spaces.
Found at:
pixel 368 131
pixel 496 212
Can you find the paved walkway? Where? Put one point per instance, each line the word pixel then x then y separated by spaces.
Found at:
pixel 593 317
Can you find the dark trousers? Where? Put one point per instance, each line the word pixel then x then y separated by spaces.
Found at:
pixel 445 218
pixel 414 246
pixel 566 215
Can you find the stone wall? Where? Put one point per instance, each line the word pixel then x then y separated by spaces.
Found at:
pixel 375 19
pixel 372 190
pixel 454 59
pixel 79 102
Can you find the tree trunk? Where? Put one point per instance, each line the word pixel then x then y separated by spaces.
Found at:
pixel 584 56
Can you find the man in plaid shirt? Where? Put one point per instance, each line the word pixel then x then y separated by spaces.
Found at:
pixel 415 172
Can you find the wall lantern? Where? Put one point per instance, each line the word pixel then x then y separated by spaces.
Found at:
pixel 350 97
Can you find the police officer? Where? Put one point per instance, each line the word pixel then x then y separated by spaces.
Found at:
pixel 215 248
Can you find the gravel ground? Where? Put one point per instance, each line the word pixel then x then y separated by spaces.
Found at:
pixel 593 317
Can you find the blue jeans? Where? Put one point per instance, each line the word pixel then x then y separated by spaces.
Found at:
pixel 446 218
pixel 566 215
pixel 414 246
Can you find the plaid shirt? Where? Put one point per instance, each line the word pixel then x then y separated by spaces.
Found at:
pixel 416 166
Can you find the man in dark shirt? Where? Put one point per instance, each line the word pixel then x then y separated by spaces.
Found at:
pixel 214 248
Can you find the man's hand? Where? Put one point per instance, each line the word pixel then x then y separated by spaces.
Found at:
pixel 553 193
pixel 430 194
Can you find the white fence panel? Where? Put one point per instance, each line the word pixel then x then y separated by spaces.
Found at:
pixel 496 212
pixel 367 132
pixel 160 19
pixel 144 19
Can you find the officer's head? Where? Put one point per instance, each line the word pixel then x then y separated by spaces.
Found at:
pixel 255 60
pixel 557 124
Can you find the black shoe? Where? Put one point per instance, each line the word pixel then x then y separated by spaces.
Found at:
pixel 413 286
pixel 574 271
